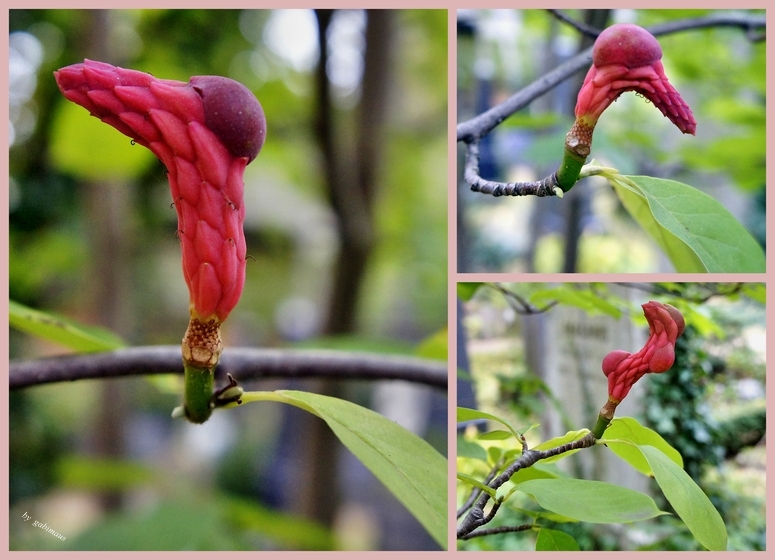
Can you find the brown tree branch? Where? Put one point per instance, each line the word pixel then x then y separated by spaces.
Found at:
pixel 243 363
pixel 476 517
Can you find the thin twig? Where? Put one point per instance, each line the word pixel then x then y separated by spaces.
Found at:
pixel 471 175
pixel 522 307
pixel 475 491
pixel 712 290
pixel 479 126
pixel 243 363
pixel 497 530
pixel 476 518
pixel 581 27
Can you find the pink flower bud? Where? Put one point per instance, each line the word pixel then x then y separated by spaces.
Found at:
pixel 628 58
pixel 205 132
pixel 623 369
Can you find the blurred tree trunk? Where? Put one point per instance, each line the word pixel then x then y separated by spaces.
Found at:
pixel 108 208
pixel 580 199
pixel 350 168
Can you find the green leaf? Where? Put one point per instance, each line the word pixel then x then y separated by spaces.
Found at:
pixel 532 473
pixel 478 484
pixel 591 501
pixel 467 414
pixel 583 299
pixel 413 471
pixel 631 430
pixel 550 539
pixel 466 290
pixel 757 292
pixel 543 514
pixel 693 229
pixel 689 501
pixel 81 338
pixel 561 440
pixel 470 449
pixel 495 435
pixel 494 454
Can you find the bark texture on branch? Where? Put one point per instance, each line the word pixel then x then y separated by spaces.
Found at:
pixel 243 363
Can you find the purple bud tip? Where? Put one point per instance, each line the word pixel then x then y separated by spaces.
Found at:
pixel 625 44
pixel 233 113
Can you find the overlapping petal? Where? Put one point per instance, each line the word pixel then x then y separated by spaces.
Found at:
pixel 205 132
pixel 624 369
pixel 628 58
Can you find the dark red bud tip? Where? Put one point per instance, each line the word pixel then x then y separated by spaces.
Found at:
pixel 677 317
pixel 627 45
pixel 233 113
pixel 612 360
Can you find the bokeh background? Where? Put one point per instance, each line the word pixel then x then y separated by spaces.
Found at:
pixel 346 230
pixel 719 71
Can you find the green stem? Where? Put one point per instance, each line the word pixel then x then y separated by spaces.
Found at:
pixel 199 385
pixel 570 168
pixel 600 426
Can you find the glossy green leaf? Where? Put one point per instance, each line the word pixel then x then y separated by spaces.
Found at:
pixel 494 454
pixel 551 539
pixel 467 414
pixel 689 501
pixel 413 471
pixel 694 230
pixel 81 338
pixel 466 290
pixel 543 514
pixel 631 430
pixel 495 435
pixel 470 449
pixel 561 440
pixel 582 299
pixel 591 501
pixel 468 479
pixel 532 473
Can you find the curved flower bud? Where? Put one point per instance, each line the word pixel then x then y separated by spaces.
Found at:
pixel 623 369
pixel 205 132
pixel 625 57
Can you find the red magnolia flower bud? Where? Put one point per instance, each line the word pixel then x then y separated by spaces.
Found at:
pixel 205 132
pixel 625 57
pixel 623 369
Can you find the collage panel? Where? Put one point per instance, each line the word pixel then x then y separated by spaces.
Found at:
pixel 228 279
pixel 447 280
pixel 673 178
pixel 611 416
